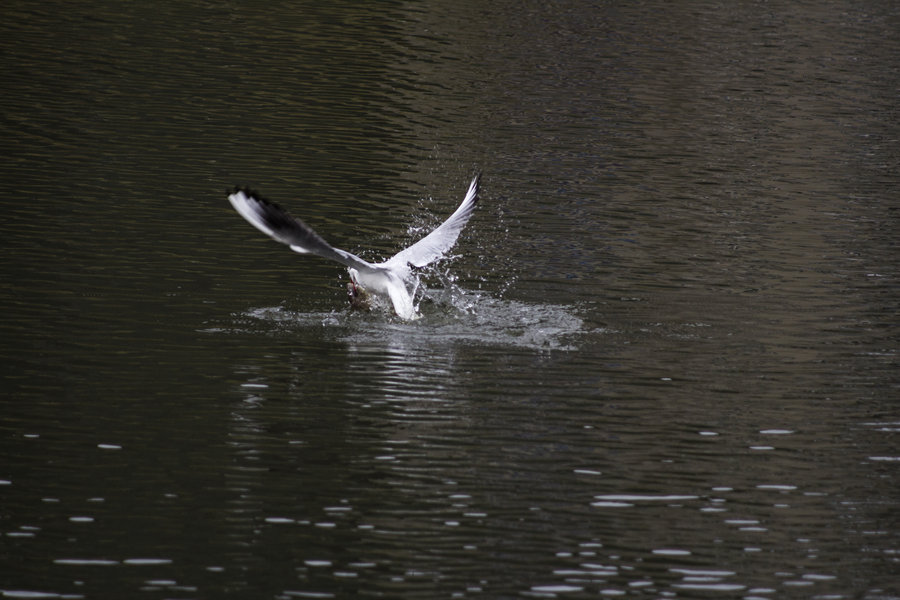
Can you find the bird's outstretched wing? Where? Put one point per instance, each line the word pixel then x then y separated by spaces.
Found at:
pixel 278 224
pixel 435 244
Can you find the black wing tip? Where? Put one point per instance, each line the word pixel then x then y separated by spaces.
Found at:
pixel 256 197
pixel 249 192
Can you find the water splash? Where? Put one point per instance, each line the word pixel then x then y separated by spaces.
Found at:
pixel 449 315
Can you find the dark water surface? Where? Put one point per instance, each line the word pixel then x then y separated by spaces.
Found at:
pixel 662 363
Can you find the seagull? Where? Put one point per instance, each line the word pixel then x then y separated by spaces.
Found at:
pixel 392 278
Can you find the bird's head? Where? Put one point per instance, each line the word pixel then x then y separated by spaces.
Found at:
pixel 358 297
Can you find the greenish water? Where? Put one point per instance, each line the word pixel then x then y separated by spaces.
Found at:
pixel 661 363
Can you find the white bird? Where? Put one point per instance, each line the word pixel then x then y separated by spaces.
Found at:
pixel 392 278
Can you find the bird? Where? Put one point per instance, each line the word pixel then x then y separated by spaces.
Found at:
pixel 393 278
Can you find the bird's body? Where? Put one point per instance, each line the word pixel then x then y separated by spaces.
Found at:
pixel 392 278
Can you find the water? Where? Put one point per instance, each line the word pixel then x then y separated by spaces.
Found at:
pixel 662 362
